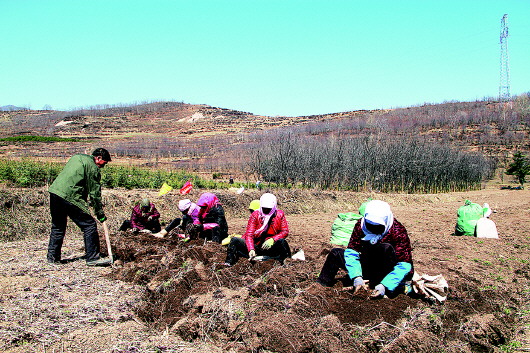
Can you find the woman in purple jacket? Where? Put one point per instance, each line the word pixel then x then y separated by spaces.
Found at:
pixel 144 218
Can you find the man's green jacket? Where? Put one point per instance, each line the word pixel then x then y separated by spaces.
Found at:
pixel 79 179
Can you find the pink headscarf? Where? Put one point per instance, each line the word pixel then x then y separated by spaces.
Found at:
pixel 266 200
pixel 207 199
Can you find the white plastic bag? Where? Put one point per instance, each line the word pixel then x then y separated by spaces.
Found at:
pixel 300 255
pixel 486 228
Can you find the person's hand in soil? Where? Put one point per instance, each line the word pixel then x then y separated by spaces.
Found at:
pixel 251 255
pixel 359 285
pixel 378 292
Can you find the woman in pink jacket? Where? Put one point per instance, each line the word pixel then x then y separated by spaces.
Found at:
pixel 265 236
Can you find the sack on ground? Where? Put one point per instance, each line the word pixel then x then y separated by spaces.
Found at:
pixel 342 228
pixel 300 255
pixel 435 287
pixel 486 228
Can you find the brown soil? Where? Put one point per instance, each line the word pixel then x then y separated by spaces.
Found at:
pixel 167 296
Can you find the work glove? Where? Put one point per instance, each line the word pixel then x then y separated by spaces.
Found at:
pixel 150 218
pixel 100 215
pixel 379 292
pixel 267 244
pixel 251 254
pixel 359 284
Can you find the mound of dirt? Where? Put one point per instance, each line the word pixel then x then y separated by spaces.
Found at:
pixel 264 306
pixel 167 296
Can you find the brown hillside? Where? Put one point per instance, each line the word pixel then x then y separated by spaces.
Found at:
pixel 185 135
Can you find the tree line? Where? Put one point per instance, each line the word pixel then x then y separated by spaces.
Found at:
pixel 369 163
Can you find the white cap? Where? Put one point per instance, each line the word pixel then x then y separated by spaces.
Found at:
pixel 184 204
pixel 268 200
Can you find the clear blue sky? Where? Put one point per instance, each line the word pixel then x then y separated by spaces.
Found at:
pixel 269 57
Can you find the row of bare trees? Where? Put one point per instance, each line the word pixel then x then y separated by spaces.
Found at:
pixel 369 163
pixel 137 108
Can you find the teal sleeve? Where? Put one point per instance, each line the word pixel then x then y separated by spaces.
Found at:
pixel 353 264
pixel 394 278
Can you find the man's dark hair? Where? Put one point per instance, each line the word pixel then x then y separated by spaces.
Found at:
pixel 103 153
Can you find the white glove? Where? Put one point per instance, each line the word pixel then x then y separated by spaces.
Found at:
pixel 359 284
pixel 379 292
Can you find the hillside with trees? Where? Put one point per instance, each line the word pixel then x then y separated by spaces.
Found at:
pixel 481 136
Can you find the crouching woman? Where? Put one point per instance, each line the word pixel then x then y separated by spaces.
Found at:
pixel 211 222
pixel 265 236
pixel 378 256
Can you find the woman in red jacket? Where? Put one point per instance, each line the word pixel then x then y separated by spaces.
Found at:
pixel 267 229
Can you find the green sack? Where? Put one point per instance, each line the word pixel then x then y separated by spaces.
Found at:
pixel 467 217
pixel 342 228
pixel 362 208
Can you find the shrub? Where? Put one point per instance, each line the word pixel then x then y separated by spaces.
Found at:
pixel 27 173
pixel 520 167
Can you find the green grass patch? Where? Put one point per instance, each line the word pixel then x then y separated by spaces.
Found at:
pixel 35 138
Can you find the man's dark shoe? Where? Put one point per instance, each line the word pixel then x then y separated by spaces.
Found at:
pixel 102 261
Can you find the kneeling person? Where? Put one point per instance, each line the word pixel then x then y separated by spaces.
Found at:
pixel 265 236
pixel 379 253
pixel 190 215
pixel 144 218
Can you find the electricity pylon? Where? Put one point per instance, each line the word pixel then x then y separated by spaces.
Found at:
pixel 504 86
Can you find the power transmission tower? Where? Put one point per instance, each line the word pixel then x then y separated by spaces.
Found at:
pixel 504 86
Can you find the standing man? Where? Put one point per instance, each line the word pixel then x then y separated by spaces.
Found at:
pixel 69 194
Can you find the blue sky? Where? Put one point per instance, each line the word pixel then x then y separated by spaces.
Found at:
pixel 268 57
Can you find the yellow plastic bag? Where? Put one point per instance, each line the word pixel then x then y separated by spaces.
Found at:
pixel 226 240
pixel 164 189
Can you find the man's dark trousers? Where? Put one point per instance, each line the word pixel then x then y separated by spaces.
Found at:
pixel 60 210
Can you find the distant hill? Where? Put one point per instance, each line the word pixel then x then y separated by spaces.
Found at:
pixel 199 133
pixel 11 108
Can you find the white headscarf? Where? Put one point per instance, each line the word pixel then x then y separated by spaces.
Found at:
pixel 266 200
pixel 184 204
pixel 376 212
